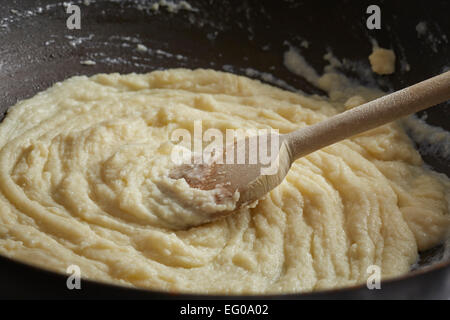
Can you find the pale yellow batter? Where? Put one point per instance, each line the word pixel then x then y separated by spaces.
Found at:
pixel 83 180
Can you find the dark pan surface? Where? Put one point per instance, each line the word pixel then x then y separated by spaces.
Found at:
pixel 37 50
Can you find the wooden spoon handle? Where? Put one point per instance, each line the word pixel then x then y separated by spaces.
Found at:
pixel 369 115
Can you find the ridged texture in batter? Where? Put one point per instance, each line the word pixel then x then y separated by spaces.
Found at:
pixel 82 181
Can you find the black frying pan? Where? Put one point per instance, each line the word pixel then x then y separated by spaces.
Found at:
pixel 36 50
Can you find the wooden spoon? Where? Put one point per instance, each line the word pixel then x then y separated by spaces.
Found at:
pixel 248 179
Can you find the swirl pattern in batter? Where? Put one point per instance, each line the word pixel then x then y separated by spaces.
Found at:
pixel 83 180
